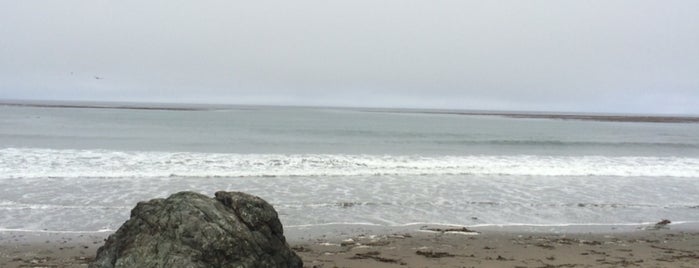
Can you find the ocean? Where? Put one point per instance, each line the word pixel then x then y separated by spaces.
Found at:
pixel 75 169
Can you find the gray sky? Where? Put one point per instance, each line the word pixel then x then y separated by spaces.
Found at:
pixel 596 56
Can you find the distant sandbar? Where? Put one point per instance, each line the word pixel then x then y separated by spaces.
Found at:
pixel 105 106
pixel 587 117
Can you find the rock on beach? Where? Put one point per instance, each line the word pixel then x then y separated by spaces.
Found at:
pixel 189 229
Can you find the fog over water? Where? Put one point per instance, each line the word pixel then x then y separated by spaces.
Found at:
pixel 590 56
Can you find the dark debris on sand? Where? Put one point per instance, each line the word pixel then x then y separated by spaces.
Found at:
pixel 433 254
pixel 374 255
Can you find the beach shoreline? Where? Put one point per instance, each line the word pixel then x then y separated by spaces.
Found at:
pixel 420 246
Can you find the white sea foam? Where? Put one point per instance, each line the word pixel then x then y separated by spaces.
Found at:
pixel 88 204
pixel 56 231
pixel 9 205
pixel 43 163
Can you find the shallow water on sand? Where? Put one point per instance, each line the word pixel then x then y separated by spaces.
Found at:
pixel 92 204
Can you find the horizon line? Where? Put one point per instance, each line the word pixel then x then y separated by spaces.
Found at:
pixel 197 106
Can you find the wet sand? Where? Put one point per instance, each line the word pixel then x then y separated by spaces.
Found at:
pixel 439 247
pixel 25 249
pixel 504 249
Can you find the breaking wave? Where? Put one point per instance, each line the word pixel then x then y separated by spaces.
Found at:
pixel 40 163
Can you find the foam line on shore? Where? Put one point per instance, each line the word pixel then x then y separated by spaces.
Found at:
pixel 56 231
pixel 415 225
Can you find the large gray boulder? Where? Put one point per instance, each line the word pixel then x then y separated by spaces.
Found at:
pixel 192 230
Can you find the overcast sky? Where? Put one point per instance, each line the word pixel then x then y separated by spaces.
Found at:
pixel 595 56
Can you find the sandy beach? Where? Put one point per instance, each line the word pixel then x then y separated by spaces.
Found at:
pixel 439 247
pixel 508 249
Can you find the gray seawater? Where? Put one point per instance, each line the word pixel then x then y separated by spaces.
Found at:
pixel 83 169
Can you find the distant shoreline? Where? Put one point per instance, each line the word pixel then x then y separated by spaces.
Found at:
pixel 509 114
pixel 121 107
pixel 551 115
pixel 604 118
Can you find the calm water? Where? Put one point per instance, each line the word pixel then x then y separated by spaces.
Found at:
pixel 69 169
